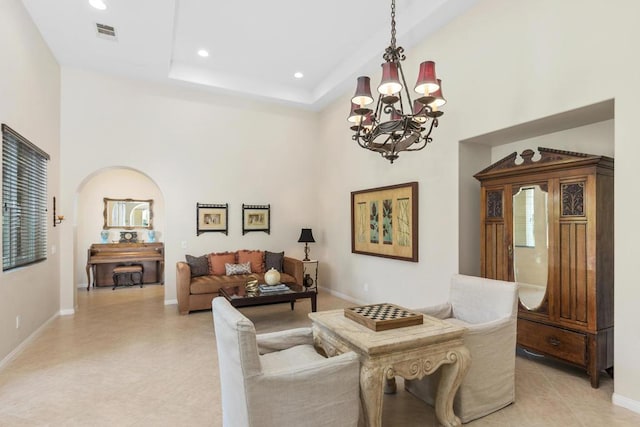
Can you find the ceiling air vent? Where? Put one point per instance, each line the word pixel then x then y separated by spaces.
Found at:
pixel 106 31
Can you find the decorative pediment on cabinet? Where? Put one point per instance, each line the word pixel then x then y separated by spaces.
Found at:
pixel 550 159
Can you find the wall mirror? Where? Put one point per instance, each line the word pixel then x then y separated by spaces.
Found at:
pixel 128 213
pixel 531 243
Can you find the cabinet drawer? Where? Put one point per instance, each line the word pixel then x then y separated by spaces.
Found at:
pixel 560 343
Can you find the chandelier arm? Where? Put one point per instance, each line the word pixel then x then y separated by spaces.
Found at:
pixel 426 138
pixel 376 114
pixel 425 142
pixel 358 136
pixel 401 103
pixel 406 87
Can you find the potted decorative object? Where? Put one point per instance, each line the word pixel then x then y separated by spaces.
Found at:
pixel 104 236
pixel 251 286
pixel 272 277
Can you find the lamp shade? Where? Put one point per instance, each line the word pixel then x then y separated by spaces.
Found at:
pixel 395 115
pixel 390 83
pixel 367 123
pixel 418 112
pixel 354 117
pixel 306 236
pixel 427 82
pixel 439 100
pixel 363 96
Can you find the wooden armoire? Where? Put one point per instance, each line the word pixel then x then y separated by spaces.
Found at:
pixel 573 321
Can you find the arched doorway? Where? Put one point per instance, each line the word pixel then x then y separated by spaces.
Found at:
pixel 114 183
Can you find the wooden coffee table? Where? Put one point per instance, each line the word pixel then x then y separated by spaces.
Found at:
pixel 239 297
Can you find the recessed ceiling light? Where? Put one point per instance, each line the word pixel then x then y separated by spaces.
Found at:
pixel 203 53
pixel 298 75
pixel 98 4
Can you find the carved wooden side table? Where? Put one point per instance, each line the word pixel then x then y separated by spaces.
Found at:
pixel 410 352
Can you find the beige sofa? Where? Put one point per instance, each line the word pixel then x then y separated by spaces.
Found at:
pixel 196 293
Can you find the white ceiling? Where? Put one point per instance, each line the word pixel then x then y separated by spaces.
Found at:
pixel 255 46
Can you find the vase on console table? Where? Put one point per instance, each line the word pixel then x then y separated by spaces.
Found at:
pixel 104 236
pixel 151 235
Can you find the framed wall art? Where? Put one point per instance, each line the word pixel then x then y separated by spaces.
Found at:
pixel 212 218
pixel 384 222
pixel 256 218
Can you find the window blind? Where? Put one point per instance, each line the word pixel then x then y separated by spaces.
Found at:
pixel 24 201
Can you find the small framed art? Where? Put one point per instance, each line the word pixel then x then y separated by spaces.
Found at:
pixel 212 218
pixel 256 218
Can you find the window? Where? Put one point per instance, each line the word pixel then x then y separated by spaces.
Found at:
pixel 24 201
pixel 524 219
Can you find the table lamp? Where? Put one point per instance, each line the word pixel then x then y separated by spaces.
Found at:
pixel 306 236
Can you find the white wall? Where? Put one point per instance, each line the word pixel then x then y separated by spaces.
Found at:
pixel 597 139
pixel 29 104
pixel 503 63
pixel 118 183
pixel 197 148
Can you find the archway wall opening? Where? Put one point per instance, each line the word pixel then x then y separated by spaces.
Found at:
pixel 116 183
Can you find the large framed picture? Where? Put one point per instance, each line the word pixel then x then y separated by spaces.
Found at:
pixel 384 222
pixel 256 218
pixel 212 218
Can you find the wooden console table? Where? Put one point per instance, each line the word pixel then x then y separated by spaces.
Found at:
pixel 410 352
pixel 102 258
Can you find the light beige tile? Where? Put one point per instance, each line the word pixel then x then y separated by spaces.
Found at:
pixel 126 359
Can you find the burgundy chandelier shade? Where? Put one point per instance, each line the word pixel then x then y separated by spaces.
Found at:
pixel 396 123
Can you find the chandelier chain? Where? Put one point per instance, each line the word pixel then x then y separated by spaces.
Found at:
pixel 393 24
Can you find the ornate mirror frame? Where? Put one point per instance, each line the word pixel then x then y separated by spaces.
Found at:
pixel 129 205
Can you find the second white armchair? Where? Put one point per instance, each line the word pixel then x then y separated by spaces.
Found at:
pixel 488 309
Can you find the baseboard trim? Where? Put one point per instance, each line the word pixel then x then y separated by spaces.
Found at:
pixel 171 302
pixel 625 402
pixel 67 312
pixel 26 342
pixel 343 296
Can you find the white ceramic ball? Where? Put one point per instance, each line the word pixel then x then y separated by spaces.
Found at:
pixel 272 277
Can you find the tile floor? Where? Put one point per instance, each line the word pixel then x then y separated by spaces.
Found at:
pixel 125 359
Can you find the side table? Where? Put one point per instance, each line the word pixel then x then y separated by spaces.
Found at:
pixel 310 274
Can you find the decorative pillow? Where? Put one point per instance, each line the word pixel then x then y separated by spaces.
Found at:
pixel 217 262
pixel 199 265
pixel 233 269
pixel 256 258
pixel 273 260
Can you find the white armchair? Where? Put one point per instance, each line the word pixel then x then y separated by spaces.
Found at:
pixel 488 309
pixel 278 379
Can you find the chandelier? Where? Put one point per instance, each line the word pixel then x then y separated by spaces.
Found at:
pixel 398 123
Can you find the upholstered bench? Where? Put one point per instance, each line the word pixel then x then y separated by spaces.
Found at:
pixel 127 275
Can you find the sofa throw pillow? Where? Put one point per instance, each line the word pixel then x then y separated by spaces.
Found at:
pixel 273 260
pixel 256 258
pixel 199 265
pixel 233 269
pixel 218 260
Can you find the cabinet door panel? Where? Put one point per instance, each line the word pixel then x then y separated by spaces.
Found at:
pixel 573 272
pixel 496 261
pixel 495 236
